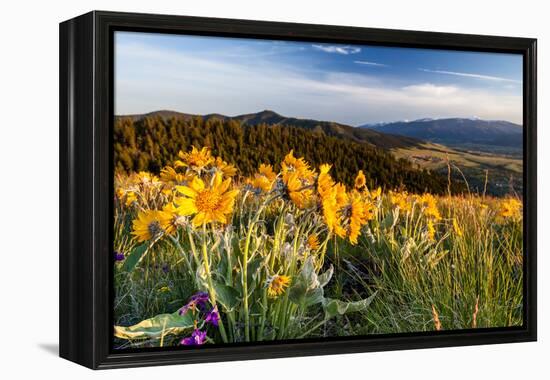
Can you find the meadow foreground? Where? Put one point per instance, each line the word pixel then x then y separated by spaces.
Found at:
pixel 203 255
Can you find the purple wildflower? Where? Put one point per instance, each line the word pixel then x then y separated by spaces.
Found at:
pixel 213 317
pixel 165 268
pixel 197 301
pixel 196 339
pixel 119 256
pixel 200 297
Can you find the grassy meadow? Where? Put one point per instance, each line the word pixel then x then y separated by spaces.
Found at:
pixel 205 255
pixel 505 170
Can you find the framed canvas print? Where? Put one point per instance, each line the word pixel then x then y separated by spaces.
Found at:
pixel 238 189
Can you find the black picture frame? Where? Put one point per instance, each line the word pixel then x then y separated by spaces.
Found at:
pixel 86 186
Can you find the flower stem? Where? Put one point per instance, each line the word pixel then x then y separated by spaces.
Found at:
pixel 209 279
pixel 183 253
pixel 193 247
pixel 323 321
pixel 244 278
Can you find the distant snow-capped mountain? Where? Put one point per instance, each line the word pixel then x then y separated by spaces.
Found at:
pixel 456 131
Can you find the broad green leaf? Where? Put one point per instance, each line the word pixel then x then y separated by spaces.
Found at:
pixel 307 289
pixel 308 275
pixel 325 277
pixel 226 295
pixel 297 292
pixel 334 307
pixel 314 296
pixel 154 328
pixel 134 257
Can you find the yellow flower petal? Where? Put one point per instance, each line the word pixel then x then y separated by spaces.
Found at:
pixel 186 206
pixel 187 191
pixel 197 184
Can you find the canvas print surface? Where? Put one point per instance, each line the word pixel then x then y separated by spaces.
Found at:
pixel 269 191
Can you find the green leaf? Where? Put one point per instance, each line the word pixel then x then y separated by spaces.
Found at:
pixel 134 257
pixel 314 296
pixel 297 292
pixel 334 307
pixel 253 268
pixel 307 290
pixel 226 295
pixel 308 275
pixel 325 277
pixel 154 328
pixel 223 265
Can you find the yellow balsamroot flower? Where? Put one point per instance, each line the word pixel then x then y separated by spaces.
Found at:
pixel 401 200
pixel 342 197
pixel 360 180
pixel 291 165
pixel 171 219
pixel 130 198
pixel 324 181
pixel 431 230
pixel 264 179
pixel 332 213
pixel 225 168
pixel 196 159
pixel 169 175
pixel 430 206
pixel 298 179
pixel 299 195
pixel 277 285
pixel 510 208
pixel 333 197
pixel 148 225
pixel 313 242
pixel 208 204
pixel 375 194
pixel 361 212
pixel 147 178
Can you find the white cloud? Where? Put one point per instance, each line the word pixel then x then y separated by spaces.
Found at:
pixel 338 49
pixel 471 75
pixel 368 63
pixel 431 90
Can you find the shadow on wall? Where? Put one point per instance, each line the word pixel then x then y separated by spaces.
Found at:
pixel 51 348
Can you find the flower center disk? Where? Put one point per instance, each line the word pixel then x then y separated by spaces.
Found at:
pixel 207 200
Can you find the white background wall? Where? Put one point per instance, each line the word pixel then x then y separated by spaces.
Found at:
pixel 29 187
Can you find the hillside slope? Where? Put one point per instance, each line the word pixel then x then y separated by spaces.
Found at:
pixel 150 143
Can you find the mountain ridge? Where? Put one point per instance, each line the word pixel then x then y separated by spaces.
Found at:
pixel 269 117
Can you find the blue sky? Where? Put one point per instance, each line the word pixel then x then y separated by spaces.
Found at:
pixel 352 84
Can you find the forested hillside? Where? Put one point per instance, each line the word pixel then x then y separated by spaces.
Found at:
pixel 150 143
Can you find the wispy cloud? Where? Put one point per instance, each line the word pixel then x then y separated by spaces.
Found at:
pixel 338 49
pixel 368 63
pixel 471 75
